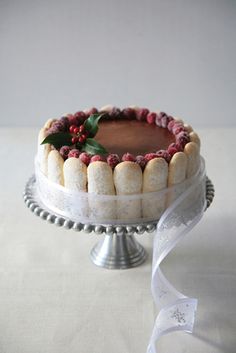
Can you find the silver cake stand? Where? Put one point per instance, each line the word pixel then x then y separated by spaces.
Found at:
pixel 118 249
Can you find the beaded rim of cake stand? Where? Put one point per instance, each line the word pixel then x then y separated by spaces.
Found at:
pixel 149 227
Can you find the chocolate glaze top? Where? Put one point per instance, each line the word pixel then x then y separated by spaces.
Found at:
pixel 136 137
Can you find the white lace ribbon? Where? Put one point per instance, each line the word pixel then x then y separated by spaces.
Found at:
pixel 176 311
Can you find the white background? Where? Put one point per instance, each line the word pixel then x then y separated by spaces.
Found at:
pixel 62 56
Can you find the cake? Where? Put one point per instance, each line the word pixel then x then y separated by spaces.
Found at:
pixel 118 152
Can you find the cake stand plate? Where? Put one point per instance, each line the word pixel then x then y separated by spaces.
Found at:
pixel 118 249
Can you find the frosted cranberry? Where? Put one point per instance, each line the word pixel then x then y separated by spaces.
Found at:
pixel 80 117
pixel 172 150
pixel 92 111
pixel 141 114
pixel 113 160
pixel 177 128
pixel 151 118
pixel 85 158
pixel 128 157
pixel 158 120
pixel 128 113
pixel 170 125
pixel 96 158
pixel 164 154
pixel 165 120
pixel 72 119
pixel 74 153
pixel 64 151
pixel 58 126
pixel 150 156
pixel 65 121
pixel 115 113
pixel 141 161
pixel 182 138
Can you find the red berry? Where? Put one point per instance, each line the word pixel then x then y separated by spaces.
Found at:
pixel 165 120
pixel 96 158
pixel 74 153
pixel 85 158
pixel 141 114
pixel 172 150
pixel 141 161
pixel 81 128
pixel 115 113
pixel 74 140
pixel 128 157
pixel 92 111
pixel 71 129
pixel 151 118
pixel 64 151
pixel 65 121
pixel 82 138
pixel 76 130
pixel 177 128
pixel 113 160
pixel 128 113
pixel 164 154
pixel 150 156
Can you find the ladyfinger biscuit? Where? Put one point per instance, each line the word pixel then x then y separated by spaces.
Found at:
pixel 100 182
pixel 55 167
pixel 75 174
pixel 128 181
pixel 195 138
pixel 155 178
pixel 43 151
pixel 176 175
pixel 48 123
pixel 192 152
pixel 75 178
pixel 188 128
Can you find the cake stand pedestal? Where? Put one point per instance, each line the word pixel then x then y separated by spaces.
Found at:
pixel 118 249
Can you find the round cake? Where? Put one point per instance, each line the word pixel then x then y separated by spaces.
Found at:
pixel 114 151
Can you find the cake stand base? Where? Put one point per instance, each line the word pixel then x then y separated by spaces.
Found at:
pixel 118 252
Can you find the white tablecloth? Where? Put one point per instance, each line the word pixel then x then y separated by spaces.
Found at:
pixel 54 300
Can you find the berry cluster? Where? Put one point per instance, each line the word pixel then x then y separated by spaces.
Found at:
pixel 74 123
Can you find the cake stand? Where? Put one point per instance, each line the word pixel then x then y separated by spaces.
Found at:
pixel 118 249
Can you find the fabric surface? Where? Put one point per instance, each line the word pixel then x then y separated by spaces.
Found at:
pixel 53 299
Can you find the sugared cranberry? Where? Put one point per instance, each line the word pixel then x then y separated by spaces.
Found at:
pixel 151 118
pixel 74 140
pixel 91 111
pixel 164 154
pixel 141 114
pixel 96 158
pixel 128 157
pixel 71 129
pixel 165 121
pixel 128 113
pixel 158 120
pixel 58 126
pixel 82 138
pixel 80 117
pixel 150 156
pixel 72 119
pixel 170 125
pixel 115 113
pixel 64 151
pixel 65 121
pixel 74 153
pixel 182 138
pixel 172 149
pixel 141 161
pixel 177 128
pixel 113 160
pixel 85 158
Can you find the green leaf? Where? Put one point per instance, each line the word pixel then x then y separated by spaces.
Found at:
pixel 91 124
pixel 93 147
pixel 58 139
